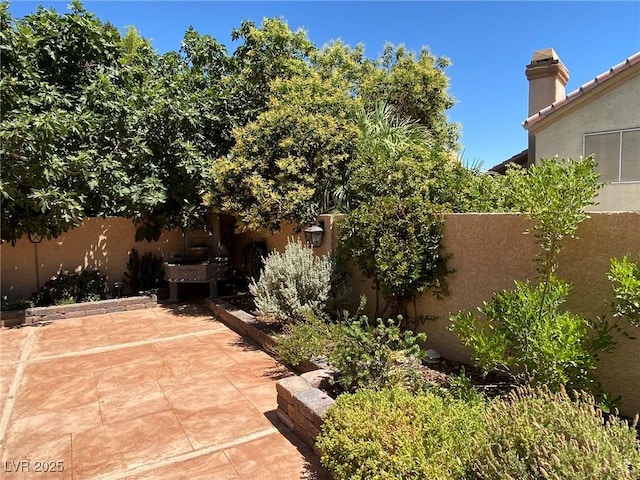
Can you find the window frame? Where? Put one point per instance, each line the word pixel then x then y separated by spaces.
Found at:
pixel 607 132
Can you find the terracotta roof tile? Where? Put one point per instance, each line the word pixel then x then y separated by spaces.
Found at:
pixel 518 159
pixel 599 80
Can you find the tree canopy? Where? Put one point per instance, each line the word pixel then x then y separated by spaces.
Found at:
pixel 96 123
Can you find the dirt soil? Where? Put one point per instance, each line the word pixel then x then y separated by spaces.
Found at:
pixel 441 374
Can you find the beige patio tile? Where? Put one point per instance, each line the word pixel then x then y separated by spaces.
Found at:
pixel 49 458
pixel 126 445
pixel 171 347
pixel 133 332
pixel 247 375
pixel 132 373
pixel 40 394
pixel 11 343
pixel 273 457
pixel 198 359
pixel 135 354
pixel 97 452
pixel 141 409
pixel 188 393
pixel 216 425
pixel 263 397
pixel 170 326
pixel 7 371
pixel 34 429
pixel 210 466
pixel 120 404
pixel 65 366
pixel 99 325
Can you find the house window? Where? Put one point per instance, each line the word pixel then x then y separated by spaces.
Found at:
pixel 617 154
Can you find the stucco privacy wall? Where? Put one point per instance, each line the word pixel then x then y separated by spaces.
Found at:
pixel 615 109
pixel 490 251
pixel 99 243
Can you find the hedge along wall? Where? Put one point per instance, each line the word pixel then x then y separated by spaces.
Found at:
pixel 99 243
pixel 490 251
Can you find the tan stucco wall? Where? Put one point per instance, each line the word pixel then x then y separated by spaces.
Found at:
pixel 617 108
pixel 100 243
pixel 489 252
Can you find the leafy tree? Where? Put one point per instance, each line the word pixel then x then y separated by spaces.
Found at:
pixel 281 162
pixel 185 124
pixel 524 332
pixel 393 157
pixel 49 170
pixel 267 53
pixel 293 156
pixel 99 124
pixel 414 85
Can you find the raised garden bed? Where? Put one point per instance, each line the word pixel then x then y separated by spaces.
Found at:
pixel 75 310
pixel 304 399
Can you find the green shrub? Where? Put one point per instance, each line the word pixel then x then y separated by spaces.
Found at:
pixel 143 273
pixel 523 333
pixel 393 434
pixel 72 287
pixel 308 339
pixel 625 276
pixel 397 243
pixel 537 434
pixel 17 304
pixel 293 283
pixel 376 355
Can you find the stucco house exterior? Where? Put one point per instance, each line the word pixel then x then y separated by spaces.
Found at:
pixel 602 118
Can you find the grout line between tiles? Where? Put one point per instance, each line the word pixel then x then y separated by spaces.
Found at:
pixel 188 456
pixel 121 346
pixel 27 346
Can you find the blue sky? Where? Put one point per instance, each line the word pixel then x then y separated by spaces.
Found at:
pixel 489 43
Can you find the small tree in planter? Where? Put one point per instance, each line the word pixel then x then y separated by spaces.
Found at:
pixel 523 332
pixel 397 243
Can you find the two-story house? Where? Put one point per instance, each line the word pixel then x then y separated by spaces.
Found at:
pixel 602 118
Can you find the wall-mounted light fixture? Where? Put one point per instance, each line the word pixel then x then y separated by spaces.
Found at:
pixel 314 233
pixel 35 237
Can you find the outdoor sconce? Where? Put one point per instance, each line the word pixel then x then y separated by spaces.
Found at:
pixel 35 237
pixel 313 234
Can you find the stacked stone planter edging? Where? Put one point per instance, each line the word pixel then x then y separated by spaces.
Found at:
pixel 241 322
pixel 301 403
pixel 75 310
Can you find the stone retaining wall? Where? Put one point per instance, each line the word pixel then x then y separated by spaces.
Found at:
pixel 241 322
pixel 302 407
pixel 75 310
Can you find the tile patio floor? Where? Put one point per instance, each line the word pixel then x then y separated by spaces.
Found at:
pixel 161 393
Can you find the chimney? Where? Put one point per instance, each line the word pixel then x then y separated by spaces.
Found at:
pixel 547 77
